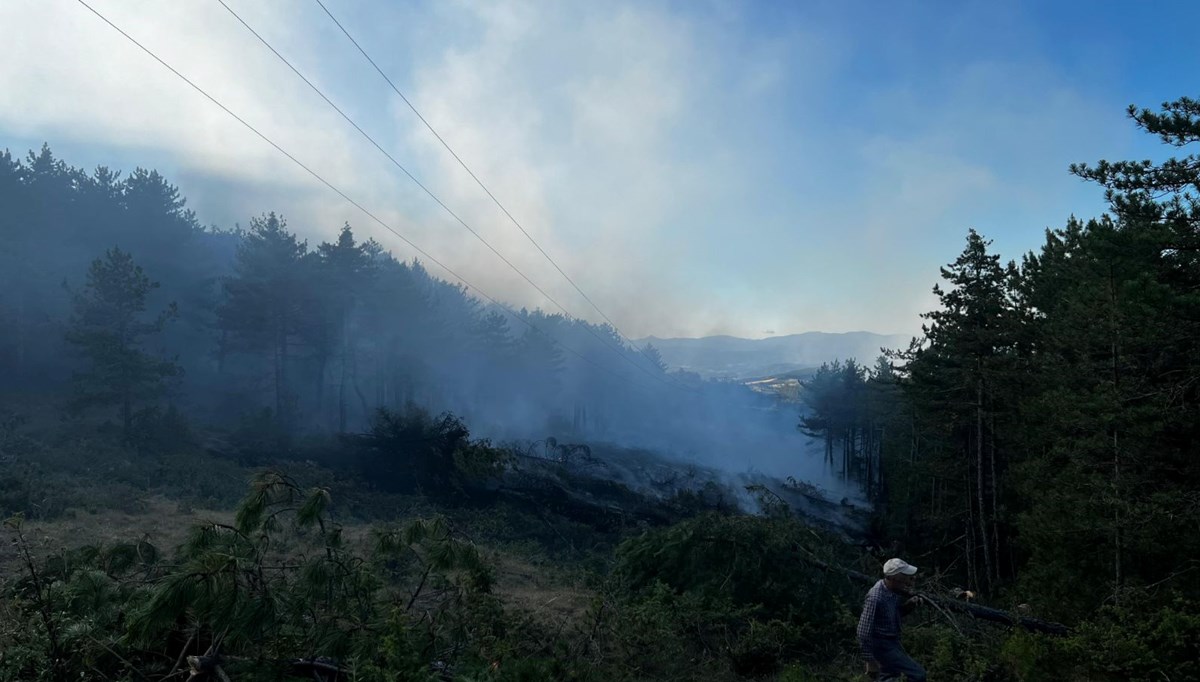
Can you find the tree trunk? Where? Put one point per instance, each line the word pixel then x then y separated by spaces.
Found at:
pixel 362 397
pixel 22 328
pixel 278 380
pixel 933 498
pixel 127 378
pixel 915 446
pixel 1116 525
pixel 969 538
pixel 869 462
pixel 282 412
pixel 995 497
pixel 982 517
pixel 1115 351
pixel 881 491
pixel 847 445
pixel 322 363
pixel 342 381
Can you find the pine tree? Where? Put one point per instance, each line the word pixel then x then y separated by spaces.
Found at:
pixel 846 406
pixel 1117 322
pixel 1166 193
pixel 14 289
pixel 539 365
pixel 108 329
pixel 344 275
pixel 959 375
pixel 822 395
pixel 655 358
pixel 492 362
pixel 268 301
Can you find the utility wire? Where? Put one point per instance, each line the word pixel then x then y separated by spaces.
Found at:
pixel 439 202
pixel 357 205
pixel 472 174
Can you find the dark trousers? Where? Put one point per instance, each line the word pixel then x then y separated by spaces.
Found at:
pixel 894 661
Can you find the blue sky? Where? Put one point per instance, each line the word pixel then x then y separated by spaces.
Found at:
pixel 697 167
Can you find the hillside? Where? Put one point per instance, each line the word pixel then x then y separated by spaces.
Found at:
pixel 731 357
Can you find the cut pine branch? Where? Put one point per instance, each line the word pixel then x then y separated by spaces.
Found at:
pixel 973 610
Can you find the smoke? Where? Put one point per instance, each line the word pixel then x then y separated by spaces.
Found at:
pixel 407 338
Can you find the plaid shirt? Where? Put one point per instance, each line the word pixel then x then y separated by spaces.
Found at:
pixel 880 618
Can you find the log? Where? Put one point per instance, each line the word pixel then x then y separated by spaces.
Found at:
pixel 973 610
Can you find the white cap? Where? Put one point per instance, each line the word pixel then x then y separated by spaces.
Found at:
pixel 897 567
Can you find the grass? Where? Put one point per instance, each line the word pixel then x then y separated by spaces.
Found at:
pixel 159 520
pixel 76 488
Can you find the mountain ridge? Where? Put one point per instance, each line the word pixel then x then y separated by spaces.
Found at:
pixel 733 357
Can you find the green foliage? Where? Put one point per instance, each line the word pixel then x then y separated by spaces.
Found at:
pixel 751 560
pixel 16 473
pixel 1037 442
pixel 961 384
pixel 947 653
pixel 414 451
pixel 280 583
pixel 798 673
pixel 1135 643
pixel 1045 428
pixel 258 436
pixel 847 406
pixel 64 614
pixel 347 272
pixel 51 472
pixel 267 306
pixel 1041 445
pixel 56 219
pixel 107 329
pixel 1165 193
pixel 710 498
pixel 13 442
pixel 654 358
pixel 156 430
pixel 734 587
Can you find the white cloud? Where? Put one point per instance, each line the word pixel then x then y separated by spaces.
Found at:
pixel 693 174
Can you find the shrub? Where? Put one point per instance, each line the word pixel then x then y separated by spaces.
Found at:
pixel 734 587
pixel 1136 642
pixel 414 451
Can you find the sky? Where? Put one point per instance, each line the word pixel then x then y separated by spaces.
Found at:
pixel 696 167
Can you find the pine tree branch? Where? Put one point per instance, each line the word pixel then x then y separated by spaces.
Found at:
pixel 980 612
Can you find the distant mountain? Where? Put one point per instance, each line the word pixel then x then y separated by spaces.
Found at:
pixel 735 358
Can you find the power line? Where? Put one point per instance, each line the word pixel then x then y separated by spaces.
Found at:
pixel 343 195
pixel 472 174
pixel 433 196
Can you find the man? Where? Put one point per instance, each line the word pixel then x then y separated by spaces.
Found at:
pixel 879 626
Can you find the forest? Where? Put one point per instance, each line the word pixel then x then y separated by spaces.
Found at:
pixel 230 455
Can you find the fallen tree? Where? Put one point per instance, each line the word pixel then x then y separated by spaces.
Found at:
pixel 974 610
